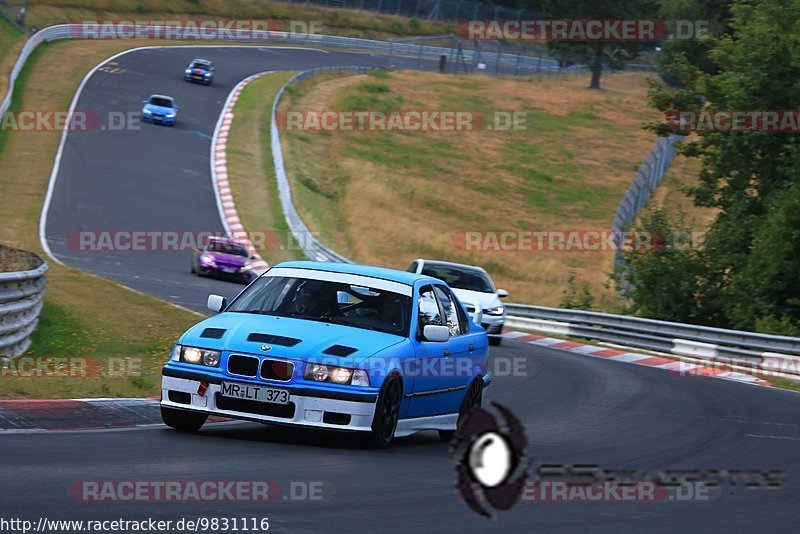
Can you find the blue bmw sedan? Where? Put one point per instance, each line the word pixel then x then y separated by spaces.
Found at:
pixel 331 346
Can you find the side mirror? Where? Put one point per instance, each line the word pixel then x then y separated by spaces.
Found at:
pixel 502 293
pixel 144 102
pixel 436 333
pixel 216 303
pixel 253 257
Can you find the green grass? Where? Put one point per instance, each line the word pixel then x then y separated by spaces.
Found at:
pixel 250 167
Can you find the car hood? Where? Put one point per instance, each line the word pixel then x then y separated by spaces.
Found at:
pixel 485 300
pixel 235 332
pixel 227 258
pixel 159 109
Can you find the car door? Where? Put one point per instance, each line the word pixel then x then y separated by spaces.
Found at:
pixel 464 346
pixel 437 388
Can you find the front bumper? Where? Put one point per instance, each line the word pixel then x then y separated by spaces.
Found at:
pixel 197 79
pixel 493 324
pixel 158 120
pixel 244 276
pixel 307 407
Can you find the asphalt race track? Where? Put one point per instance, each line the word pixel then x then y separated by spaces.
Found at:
pixel 156 177
pixel 576 410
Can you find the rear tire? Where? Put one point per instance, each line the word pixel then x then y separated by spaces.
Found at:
pixel 183 420
pixel 472 401
pixel 387 413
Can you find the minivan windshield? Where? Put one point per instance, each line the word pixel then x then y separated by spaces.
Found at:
pixel 325 301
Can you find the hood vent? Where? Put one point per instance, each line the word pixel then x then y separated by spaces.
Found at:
pixel 339 350
pixel 272 339
pixel 213 333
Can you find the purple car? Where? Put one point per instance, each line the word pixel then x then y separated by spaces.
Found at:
pixel 225 258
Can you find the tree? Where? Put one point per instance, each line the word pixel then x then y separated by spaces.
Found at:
pixel 750 262
pixel 597 54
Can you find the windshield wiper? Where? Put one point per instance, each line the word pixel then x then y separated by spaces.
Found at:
pixel 257 312
pixel 345 322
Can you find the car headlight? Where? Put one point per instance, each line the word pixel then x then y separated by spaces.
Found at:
pixel 247 267
pixel 338 375
pixel 498 310
pixel 170 115
pixel 147 111
pixel 207 259
pixel 207 74
pixel 195 355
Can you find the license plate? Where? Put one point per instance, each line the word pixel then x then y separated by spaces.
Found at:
pixel 197 77
pixel 255 393
pixel 230 270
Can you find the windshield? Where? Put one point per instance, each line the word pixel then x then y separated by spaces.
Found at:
pixel 200 65
pixel 227 247
pixel 460 277
pixel 330 302
pixel 161 101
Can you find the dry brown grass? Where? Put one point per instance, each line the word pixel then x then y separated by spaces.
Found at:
pixel 336 21
pixel 386 198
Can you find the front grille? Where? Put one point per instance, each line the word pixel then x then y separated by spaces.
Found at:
pixel 242 365
pixel 277 370
pixel 255 407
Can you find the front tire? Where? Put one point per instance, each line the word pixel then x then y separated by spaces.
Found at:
pixel 387 413
pixel 472 401
pixel 183 420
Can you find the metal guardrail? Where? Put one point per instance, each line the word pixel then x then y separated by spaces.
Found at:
pixel 762 352
pixel 21 295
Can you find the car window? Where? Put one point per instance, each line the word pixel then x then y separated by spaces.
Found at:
pixel 460 277
pixel 455 321
pixel 326 301
pixel 163 102
pixel 413 267
pixel 429 312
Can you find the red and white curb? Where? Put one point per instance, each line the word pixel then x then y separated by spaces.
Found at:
pixel 219 174
pixel 678 368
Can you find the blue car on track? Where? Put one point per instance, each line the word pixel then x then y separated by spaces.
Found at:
pixel 332 346
pixel 199 71
pixel 160 109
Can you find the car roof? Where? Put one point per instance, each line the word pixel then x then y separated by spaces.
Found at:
pixel 162 96
pixel 393 275
pixel 199 60
pixel 452 264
